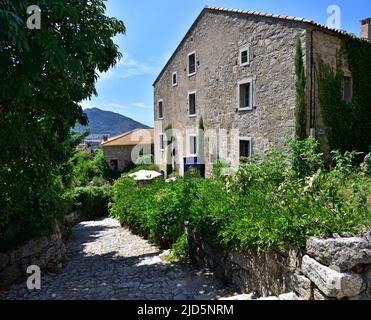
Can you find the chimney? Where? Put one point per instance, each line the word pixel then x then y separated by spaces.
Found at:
pixel 366 28
pixel 105 138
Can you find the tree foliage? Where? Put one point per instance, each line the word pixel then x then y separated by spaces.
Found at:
pixel 300 93
pixel 44 75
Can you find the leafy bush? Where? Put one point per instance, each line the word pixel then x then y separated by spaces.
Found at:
pixel 91 202
pixel 147 159
pixel 270 202
pixel 267 204
pixel 180 250
pixel 154 210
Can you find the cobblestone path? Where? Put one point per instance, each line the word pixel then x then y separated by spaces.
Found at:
pixel 108 262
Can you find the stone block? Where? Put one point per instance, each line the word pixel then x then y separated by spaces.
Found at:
pixel 344 253
pixel 319 296
pixel 332 283
pixel 302 286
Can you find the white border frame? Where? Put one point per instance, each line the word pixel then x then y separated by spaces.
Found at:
pixel 172 79
pixel 189 54
pixel 242 49
pixel 239 149
pixel 162 140
pixel 158 107
pixel 242 82
pixel 189 145
pixel 193 115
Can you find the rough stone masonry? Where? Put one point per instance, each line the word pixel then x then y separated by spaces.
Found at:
pixel 329 268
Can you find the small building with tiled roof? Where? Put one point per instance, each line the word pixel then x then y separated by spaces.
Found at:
pixel 123 150
pixel 234 71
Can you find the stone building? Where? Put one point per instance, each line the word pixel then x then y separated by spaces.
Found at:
pixel 234 74
pixel 123 150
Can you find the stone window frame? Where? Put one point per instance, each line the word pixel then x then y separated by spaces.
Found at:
pixel 244 138
pixel 160 116
pixel 190 54
pixel 192 115
pixel 176 78
pixel 242 49
pixel 162 141
pixel 242 82
pixel 192 135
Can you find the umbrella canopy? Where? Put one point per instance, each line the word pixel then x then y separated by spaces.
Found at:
pixel 145 175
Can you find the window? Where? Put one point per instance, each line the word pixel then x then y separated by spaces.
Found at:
pixel 160 109
pixel 114 164
pixel 192 64
pixel 192 145
pixel 347 89
pixel 175 79
pixel 245 95
pixel 244 56
pixel 245 149
pixel 162 143
pixel 192 104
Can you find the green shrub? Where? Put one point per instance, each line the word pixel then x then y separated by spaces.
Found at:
pixel 267 205
pixel 180 250
pixel 270 202
pixel 91 202
pixel 170 212
pixel 133 204
pixel 147 159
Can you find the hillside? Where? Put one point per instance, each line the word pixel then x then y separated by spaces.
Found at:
pixel 110 123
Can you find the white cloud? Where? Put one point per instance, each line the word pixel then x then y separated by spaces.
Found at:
pixel 127 67
pixel 141 105
pixel 117 105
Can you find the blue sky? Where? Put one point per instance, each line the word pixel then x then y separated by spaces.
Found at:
pixel 155 28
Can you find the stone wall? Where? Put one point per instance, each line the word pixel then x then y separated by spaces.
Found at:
pixel 123 154
pixel 333 268
pixel 46 252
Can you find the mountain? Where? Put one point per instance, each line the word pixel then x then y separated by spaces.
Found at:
pixel 109 123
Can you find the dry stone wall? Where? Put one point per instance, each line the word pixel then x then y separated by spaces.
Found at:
pixel 336 268
pixel 45 252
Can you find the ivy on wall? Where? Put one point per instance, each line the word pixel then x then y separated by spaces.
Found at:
pixel 348 124
pixel 300 111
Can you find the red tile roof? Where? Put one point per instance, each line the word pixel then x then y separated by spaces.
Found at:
pixel 131 138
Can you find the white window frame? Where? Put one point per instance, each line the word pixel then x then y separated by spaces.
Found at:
pixel 162 141
pixel 242 82
pixel 249 139
pixel 189 145
pixel 172 79
pixel 245 48
pixel 158 105
pixel 192 53
pixel 193 115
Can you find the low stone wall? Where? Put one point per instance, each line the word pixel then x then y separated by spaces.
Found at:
pixel 334 268
pixel 45 252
